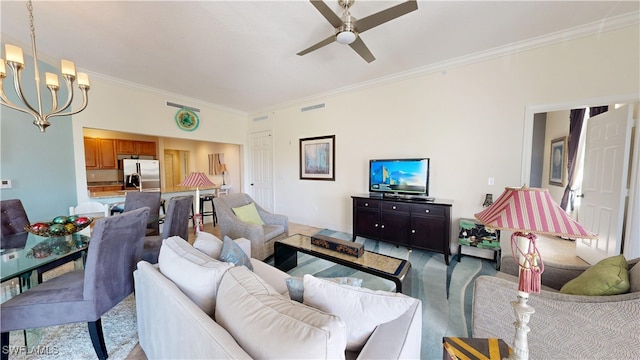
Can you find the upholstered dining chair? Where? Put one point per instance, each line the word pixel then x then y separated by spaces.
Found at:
pixel 176 223
pixel 83 295
pixel 13 218
pixel 151 199
pixel 262 236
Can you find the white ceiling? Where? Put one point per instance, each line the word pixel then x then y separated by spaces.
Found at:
pixel 242 54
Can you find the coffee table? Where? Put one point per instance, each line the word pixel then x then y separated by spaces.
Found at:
pixel 386 267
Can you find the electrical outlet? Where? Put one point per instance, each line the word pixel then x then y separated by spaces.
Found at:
pixel 5 184
pixel 491 181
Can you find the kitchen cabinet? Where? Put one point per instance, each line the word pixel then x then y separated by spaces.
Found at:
pixel 134 147
pixel 407 222
pixel 100 153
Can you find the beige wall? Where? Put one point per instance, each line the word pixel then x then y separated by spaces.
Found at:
pixel 130 108
pixel 557 127
pixel 469 120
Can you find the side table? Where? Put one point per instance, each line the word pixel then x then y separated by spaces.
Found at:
pixel 472 348
pixel 473 234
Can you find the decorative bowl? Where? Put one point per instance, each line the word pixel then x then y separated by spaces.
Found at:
pixel 60 226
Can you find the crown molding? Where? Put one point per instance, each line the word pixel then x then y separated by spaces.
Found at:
pixel 594 28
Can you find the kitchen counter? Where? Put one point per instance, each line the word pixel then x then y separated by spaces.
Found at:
pixel 167 190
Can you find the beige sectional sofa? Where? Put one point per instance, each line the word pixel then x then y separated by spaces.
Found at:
pixel 248 314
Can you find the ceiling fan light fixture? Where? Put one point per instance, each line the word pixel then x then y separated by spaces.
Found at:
pixel 346 37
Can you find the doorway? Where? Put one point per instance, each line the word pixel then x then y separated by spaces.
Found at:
pixel 631 248
pixel 176 167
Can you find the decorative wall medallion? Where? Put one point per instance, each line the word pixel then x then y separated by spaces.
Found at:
pixel 187 120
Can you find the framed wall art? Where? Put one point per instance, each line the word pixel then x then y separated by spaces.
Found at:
pixel 558 161
pixel 318 158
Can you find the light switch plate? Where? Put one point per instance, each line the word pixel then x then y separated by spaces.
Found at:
pixel 5 184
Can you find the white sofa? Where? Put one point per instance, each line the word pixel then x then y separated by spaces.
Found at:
pixel 171 325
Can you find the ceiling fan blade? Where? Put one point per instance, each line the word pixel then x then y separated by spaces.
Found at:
pixel 362 50
pixel 317 46
pixel 383 16
pixel 328 14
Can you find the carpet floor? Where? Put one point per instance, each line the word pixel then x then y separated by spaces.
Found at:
pixel 445 292
pixel 72 341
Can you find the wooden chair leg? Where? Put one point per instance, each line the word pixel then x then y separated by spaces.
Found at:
pixel 4 342
pixel 97 338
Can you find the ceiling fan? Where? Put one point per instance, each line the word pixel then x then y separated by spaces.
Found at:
pixel 348 28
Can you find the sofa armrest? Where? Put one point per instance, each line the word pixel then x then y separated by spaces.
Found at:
pixel 561 323
pixel 397 339
pixel 273 219
pixel 273 276
pixel 165 314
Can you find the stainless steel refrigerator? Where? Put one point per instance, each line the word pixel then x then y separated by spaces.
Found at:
pixel 143 175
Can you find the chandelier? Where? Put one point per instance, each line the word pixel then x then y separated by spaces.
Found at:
pixel 15 62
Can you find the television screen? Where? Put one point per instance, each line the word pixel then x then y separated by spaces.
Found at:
pixel 400 176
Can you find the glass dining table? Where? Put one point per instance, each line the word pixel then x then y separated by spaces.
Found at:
pixel 24 254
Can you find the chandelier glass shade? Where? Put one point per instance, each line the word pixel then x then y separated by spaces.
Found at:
pixel 14 60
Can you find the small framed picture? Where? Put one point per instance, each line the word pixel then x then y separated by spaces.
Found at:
pixel 318 158
pixel 558 161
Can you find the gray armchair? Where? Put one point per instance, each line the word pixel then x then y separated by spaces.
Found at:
pixel 83 295
pixel 262 237
pixel 563 326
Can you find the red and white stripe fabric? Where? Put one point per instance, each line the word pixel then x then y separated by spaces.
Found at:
pixel 531 210
pixel 196 179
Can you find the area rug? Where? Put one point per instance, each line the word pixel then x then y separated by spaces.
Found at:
pixel 446 291
pixel 72 341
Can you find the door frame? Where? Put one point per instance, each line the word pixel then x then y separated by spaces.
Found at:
pixel 630 250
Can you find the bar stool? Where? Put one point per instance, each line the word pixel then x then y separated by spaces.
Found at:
pixel 212 212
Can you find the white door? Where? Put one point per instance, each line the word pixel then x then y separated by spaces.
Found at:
pixel 262 169
pixel 604 185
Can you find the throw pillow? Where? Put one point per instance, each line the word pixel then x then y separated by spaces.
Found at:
pixel 295 285
pixel 249 214
pixel 267 325
pixel 233 253
pixel 362 310
pixel 196 274
pixel 208 244
pixel 608 277
pixel 634 278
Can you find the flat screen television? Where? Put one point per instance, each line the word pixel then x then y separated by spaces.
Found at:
pixel 399 176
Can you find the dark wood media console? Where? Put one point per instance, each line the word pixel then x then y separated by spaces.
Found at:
pixel 404 221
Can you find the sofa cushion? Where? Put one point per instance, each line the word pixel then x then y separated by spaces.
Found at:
pixel 295 285
pixel 233 253
pixel 196 274
pixel 267 325
pixel 208 244
pixel 634 278
pixel 249 214
pixel 360 309
pixel 607 277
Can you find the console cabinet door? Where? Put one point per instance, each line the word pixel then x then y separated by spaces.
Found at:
pixel 394 223
pixel 366 218
pixel 430 228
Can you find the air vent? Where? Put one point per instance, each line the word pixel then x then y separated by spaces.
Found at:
pixel 312 107
pixel 260 118
pixel 183 106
